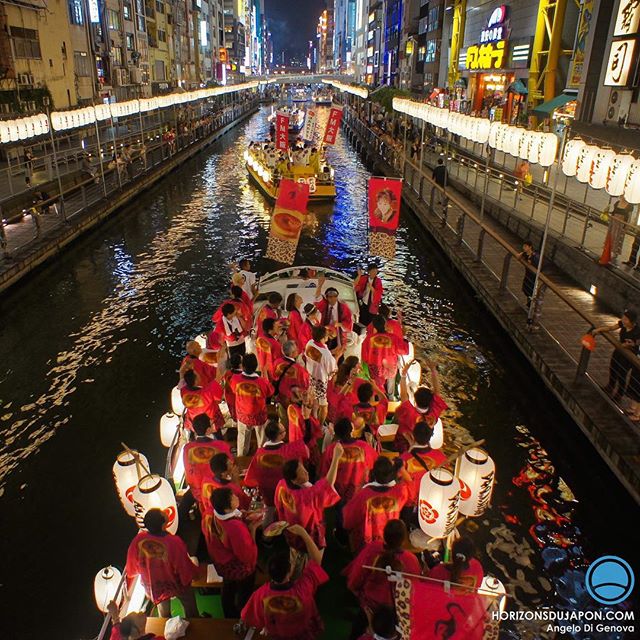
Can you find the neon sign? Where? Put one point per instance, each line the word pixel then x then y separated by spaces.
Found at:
pixel 495 26
pixel 485 57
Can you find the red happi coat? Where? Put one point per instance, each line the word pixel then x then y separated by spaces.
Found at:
pixel 353 467
pixel 471 577
pixel 346 407
pixel 372 588
pixel 295 323
pixel 203 400
pixel 367 513
pixel 265 469
pixel 430 457
pixel 251 393
pixel 197 456
pixel 305 506
pixel 290 375
pixel 288 613
pixel 205 373
pixel 229 395
pixel 265 313
pixel 230 545
pixel 308 430
pixel 376 292
pixel 407 416
pixel 243 305
pixel 163 564
pixel 394 327
pixel 380 351
pixel 268 350
pixel 210 483
pixel 304 335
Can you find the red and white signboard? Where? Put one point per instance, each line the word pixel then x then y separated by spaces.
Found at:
pixel 309 130
pixel 282 131
pixel 333 125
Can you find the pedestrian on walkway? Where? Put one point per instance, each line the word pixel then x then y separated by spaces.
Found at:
pixel 620 215
pixel 620 364
pixel 529 256
pixel 28 163
pixel 440 176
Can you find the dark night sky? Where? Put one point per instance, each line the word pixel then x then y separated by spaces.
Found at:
pixel 293 24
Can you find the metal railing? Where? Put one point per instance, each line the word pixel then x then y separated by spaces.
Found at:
pixel 555 311
pixel 102 170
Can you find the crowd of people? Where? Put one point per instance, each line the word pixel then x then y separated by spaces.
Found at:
pixel 319 468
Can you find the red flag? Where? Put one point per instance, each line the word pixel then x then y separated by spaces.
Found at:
pixel 428 612
pixel 286 223
pixel 282 131
pixel 605 257
pixel 385 195
pixel 333 125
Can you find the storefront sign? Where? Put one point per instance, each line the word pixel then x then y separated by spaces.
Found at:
pixel 628 18
pixel 577 62
pixel 496 29
pixel 487 56
pixel 620 63
pixel 94 12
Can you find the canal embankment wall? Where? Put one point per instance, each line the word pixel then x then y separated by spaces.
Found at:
pixel 53 244
pixel 552 356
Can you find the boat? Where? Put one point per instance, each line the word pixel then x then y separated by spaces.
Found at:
pixel 300 95
pixel 321 186
pixel 323 98
pixel 296 118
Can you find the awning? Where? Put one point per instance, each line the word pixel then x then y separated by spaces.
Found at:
pixel 518 87
pixel 545 109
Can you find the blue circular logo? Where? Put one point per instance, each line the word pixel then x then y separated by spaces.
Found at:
pixel 610 580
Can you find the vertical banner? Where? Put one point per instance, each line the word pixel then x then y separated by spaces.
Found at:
pixel 310 122
pixel 385 195
pixel 333 125
pixel 282 131
pixel 455 615
pixel 288 217
pixel 577 62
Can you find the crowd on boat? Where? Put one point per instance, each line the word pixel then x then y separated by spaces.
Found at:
pixel 302 156
pixel 285 375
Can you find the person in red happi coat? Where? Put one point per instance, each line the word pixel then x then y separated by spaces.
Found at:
pixel 369 291
pixel 223 474
pixel 197 399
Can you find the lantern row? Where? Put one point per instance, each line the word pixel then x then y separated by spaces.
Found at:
pixel 362 92
pixel 601 168
pixel 534 146
pixel 33 126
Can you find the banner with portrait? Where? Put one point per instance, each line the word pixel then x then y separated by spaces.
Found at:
pixel 282 131
pixel 429 611
pixel 385 196
pixel 310 123
pixel 333 125
pixel 289 214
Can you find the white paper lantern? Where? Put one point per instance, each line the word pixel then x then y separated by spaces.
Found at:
pixel 502 137
pixel 125 475
pixel 548 148
pixel 514 139
pixel 483 126
pixel 437 439
pixel 493 132
pixel 477 472
pixel 5 132
pixel 177 405
pixel 585 162
pixel 494 589
pixel 155 492
pixel 438 503
pixel 105 587
pixel 201 340
pixel 570 156
pixel 632 185
pixel 169 424
pixel 618 172
pixel 600 166
pixel 103 112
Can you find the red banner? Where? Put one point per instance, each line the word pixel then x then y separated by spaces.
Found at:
pixel 333 125
pixel 289 215
pixel 385 195
pixel 282 131
pixel 426 611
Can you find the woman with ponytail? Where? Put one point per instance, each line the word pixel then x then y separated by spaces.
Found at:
pixel 463 569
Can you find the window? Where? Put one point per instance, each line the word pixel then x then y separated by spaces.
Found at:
pixel 432 47
pixel 129 39
pixel 159 70
pixel 159 6
pixel 126 11
pixel 75 12
pixel 116 55
pixel 140 7
pixel 113 20
pixel 421 51
pixel 162 36
pixel 433 19
pixel 142 25
pixel 82 63
pixel 25 43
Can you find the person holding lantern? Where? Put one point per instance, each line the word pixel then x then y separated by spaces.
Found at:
pixel 232 548
pixel 380 500
pixel 369 291
pixel 429 404
pixel 162 561
pixel 464 569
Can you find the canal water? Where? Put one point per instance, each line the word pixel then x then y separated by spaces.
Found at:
pixel 89 348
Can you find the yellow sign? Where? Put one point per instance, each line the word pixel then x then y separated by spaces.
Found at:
pixel 222 54
pixel 619 65
pixel 409 49
pixel 485 57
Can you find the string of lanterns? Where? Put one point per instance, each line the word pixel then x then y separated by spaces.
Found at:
pixel 362 92
pixel 33 126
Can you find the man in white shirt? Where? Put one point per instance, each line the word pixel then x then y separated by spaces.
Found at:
pixel 250 285
pixel 321 365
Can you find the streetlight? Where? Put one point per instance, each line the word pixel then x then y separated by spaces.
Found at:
pixel 46 103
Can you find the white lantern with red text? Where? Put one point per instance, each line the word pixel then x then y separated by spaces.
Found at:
pixel 476 473
pixel 438 503
pixel 169 424
pixel 495 591
pixel 155 492
pixel 602 161
pixel 570 156
pixel 618 172
pixel 632 185
pixel 126 474
pixel 514 138
pixel 176 401
pixel 548 148
pixel 105 587
pixel 585 162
